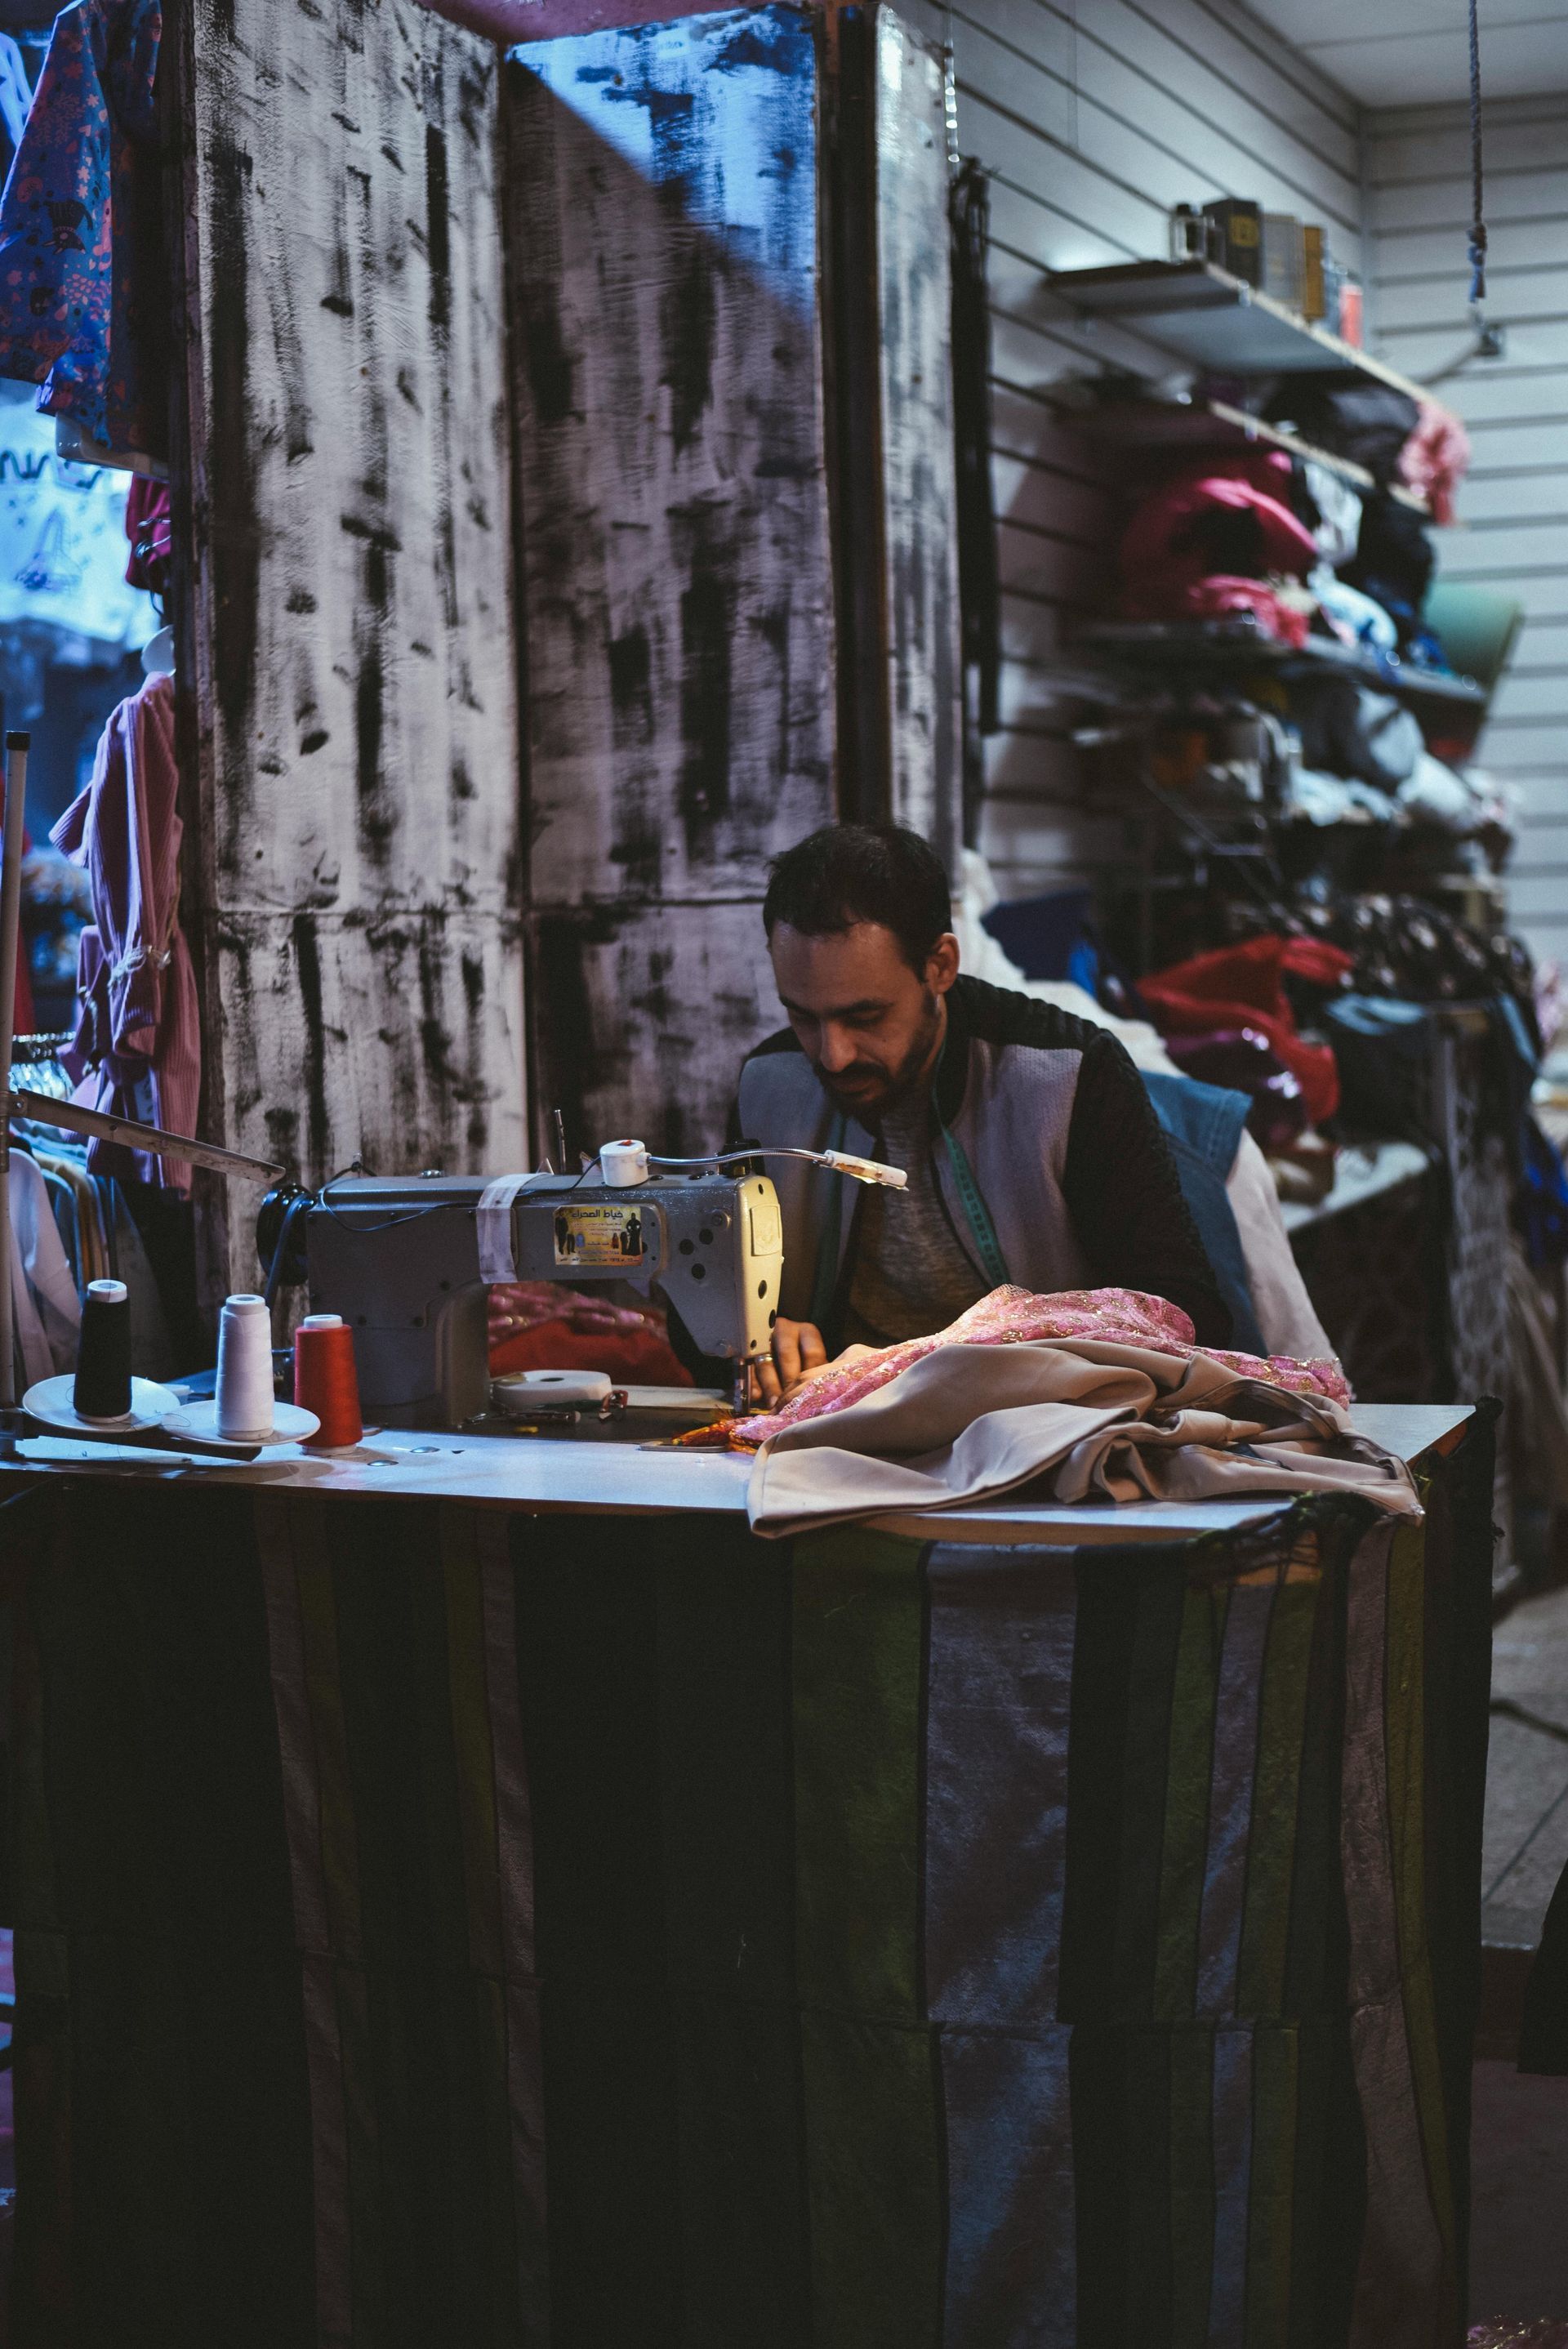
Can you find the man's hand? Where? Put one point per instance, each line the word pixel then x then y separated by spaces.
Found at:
pixel 801 1358
pixel 798 1354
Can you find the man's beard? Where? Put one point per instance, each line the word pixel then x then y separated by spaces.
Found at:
pixel 887 1086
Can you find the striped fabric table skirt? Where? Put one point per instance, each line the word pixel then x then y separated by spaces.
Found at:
pixel 440 1926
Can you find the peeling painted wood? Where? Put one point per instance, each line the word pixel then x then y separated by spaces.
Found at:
pixel 663 236
pixel 665 220
pixel 351 628
pixel 919 472
pixel 663 239
pixel 397 1029
pixel 507 21
pixel 654 1009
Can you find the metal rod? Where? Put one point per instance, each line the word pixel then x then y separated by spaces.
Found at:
pixel 45 1110
pixel 16 749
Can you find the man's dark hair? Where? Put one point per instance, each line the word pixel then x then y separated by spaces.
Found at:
pixel 850 873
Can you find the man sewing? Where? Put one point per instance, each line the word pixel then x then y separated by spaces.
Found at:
pixel 1032 1150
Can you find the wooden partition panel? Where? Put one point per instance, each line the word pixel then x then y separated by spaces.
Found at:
pixel 731 328
pixel 663 240
pixel 349 635
pixel 919 485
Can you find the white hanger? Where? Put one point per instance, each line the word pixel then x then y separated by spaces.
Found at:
pixel 157 655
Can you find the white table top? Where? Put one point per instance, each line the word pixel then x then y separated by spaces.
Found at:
pixel 1363 1171
pixel 541 1474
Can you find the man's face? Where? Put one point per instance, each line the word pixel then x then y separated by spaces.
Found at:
pixel 869 1024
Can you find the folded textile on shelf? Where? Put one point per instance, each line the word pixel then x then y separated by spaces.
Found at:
pixel 1223 598
pixel 1404 946
pixel 1435 459
pixel 1323 799
pixel 982 956
pixel 1463 804
pixel 1393 563
pixel 1352 730
pixel 1096 1395
pixel 1244 987
pixel 1336 516
pixel 1205 544
pixel 1354 618
pixel 1369 422
pixel 1241 1059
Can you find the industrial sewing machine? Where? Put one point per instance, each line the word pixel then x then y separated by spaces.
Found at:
pixel 407 1261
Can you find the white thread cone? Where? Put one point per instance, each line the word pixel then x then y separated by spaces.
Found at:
pixel 245 1370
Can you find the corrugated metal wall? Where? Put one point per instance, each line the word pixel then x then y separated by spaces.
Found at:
pixel 1515 507
pixel 1093 122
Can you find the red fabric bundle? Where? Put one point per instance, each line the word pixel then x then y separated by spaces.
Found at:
pixel 537 1325
pixel 1232 599
pixel 1202 545
pixel 1242 987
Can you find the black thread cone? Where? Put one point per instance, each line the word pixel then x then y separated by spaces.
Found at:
pixel 102 1390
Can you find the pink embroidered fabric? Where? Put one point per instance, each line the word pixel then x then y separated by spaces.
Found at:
pixel 1015 1317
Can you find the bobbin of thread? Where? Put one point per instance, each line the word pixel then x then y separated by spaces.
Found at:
pixel 102 1389
pixel 326 1379
pixel 245 1370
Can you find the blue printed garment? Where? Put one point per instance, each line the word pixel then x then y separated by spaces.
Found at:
pixel 80 230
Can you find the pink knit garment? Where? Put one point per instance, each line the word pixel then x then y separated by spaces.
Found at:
pixel 1013 1317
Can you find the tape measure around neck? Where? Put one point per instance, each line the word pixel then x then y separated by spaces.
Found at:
pixel 976 1214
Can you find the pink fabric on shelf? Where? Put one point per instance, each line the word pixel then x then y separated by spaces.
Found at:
pixel 1221 598
pixel 1012 1316
pixel 1435 459
pixel 136 1049
pixel 1203 546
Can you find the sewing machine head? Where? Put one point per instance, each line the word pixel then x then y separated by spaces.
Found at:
pixel 406 1262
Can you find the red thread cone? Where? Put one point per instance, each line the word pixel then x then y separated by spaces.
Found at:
pixel 327 1381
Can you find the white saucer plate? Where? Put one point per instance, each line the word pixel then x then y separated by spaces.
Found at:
pixel 50 1404
pixel 290 1424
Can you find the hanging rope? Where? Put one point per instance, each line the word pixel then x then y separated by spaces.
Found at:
pixel 1478 221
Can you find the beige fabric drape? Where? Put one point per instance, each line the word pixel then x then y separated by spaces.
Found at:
pixel 1073 1419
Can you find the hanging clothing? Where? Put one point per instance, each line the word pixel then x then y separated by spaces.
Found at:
pixel 49 1311
pixel 82 283
pixel 136 1051
pixel 15 96
pixel 150 527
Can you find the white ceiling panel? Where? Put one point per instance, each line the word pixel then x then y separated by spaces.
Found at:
pixel 1416 52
